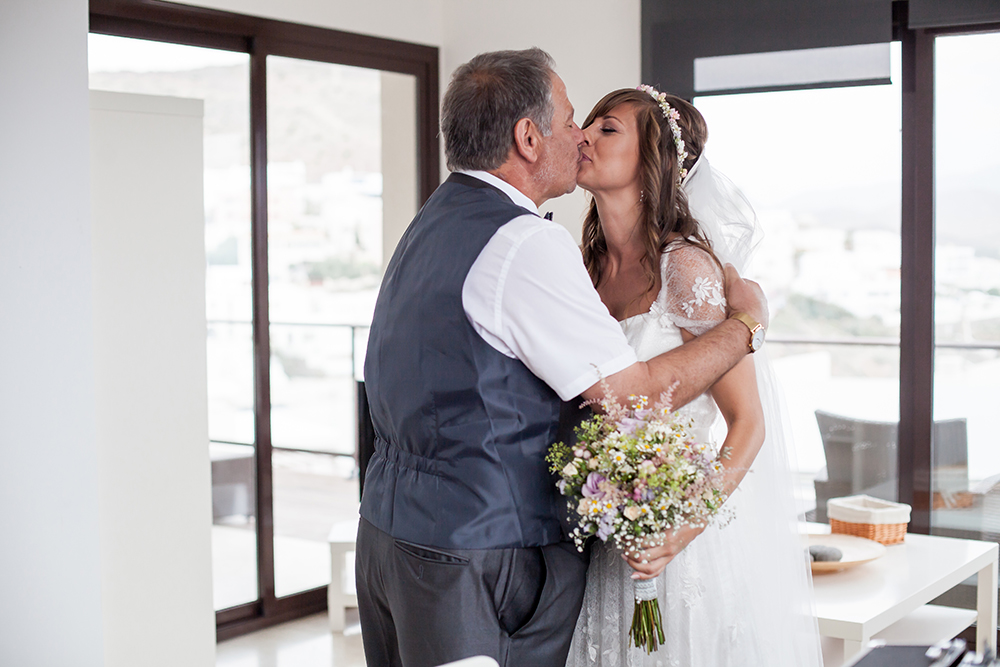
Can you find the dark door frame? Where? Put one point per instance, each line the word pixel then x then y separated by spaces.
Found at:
pixel 917 225
pixel 917 273
pixel 261 37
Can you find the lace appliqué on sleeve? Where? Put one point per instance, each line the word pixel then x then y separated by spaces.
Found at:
pixel 692 296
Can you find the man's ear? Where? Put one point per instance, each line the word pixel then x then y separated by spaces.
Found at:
pixel 527 140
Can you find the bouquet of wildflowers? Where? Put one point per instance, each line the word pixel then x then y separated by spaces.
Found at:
pixel 634 474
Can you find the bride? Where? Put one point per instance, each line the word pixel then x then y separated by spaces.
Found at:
pixel 660 225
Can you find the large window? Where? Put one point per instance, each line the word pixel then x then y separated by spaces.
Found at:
pixel 822 169
pixel 325 257
pixel 222 80
pixel 851 273
pixel 831 265
pixel 319 146
pixel 967 287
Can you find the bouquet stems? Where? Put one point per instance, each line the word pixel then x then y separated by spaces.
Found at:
pixel 647 623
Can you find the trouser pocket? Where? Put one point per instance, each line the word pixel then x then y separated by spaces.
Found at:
pixel 526 579
pixel 430 554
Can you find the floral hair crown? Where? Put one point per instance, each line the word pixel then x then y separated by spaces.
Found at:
pixel 672 116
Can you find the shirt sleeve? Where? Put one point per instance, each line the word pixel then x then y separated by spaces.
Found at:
pixel 530 297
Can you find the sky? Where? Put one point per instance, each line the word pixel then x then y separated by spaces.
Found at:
pixel 843 138
pixel 120 54
pixel 772 144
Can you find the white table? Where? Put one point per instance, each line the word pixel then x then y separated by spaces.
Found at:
pixel 887 598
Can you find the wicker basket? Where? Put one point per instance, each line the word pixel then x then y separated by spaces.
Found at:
pixel 871 518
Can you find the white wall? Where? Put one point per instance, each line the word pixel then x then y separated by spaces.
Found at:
pixel 595 44
pixel 50 611
pixel 151 386
pixel 82 582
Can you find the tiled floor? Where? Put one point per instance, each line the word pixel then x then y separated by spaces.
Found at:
pixel 306 642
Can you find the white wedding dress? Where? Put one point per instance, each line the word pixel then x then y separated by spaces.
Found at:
pixel 738 594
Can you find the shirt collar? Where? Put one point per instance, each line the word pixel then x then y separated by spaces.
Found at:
pixel 515 195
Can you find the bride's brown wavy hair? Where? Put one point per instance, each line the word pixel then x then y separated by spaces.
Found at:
pixel 664 205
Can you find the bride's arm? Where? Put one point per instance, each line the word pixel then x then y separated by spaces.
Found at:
pixel 689 370
pixel 739 402
pixel 736 395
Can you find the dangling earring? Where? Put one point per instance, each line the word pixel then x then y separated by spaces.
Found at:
pixel 642 196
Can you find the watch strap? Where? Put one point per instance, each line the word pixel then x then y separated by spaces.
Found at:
pixel 752 324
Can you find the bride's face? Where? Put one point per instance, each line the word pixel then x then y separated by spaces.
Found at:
pixel 609 159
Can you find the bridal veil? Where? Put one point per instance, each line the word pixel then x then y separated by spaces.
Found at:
pixel 768 515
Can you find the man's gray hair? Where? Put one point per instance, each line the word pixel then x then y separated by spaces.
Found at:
pixel 486 98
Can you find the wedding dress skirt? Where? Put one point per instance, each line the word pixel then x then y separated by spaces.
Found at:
pixel 739 594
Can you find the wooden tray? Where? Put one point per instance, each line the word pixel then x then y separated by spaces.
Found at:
pixel 857 550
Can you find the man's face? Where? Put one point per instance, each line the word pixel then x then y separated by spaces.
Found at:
pixel 560 159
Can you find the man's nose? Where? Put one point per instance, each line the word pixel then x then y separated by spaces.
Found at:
pixel 581 136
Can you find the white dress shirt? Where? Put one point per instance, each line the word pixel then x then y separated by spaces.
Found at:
pixel 529 296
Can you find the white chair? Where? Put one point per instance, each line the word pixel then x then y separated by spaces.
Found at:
pixel 342 537
pixel 478 661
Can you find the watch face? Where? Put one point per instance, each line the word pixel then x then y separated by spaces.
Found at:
pixel 757 340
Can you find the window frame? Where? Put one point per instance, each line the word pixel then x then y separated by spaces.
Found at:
pixel 917 343
pixel 261 37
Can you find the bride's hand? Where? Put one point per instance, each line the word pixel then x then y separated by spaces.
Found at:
pixel 745 296
pixel 650 561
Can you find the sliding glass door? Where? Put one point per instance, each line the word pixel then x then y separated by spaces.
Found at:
pixel 222 80
pixel 826 193
pixel 319 147
pixel 325 186
pixel 967 287
pixel 823 168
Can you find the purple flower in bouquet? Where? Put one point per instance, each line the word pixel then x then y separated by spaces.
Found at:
pixel 606 526
pixel 628 425
pixel 592 487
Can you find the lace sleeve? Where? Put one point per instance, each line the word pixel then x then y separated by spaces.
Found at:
pixel 692 296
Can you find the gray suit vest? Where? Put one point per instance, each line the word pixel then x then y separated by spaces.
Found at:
pixel 461 429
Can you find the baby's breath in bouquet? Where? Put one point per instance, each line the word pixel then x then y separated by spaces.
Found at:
pixel 634 474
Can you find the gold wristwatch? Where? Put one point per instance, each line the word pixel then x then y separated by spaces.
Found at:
pixel 756 330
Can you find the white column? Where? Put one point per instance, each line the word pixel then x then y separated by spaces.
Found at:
pixel 50 569
pixel 151 387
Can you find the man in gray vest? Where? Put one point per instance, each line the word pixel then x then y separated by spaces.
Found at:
pixel 486 322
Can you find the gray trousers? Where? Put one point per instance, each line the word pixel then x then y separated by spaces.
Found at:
pixel 423 606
